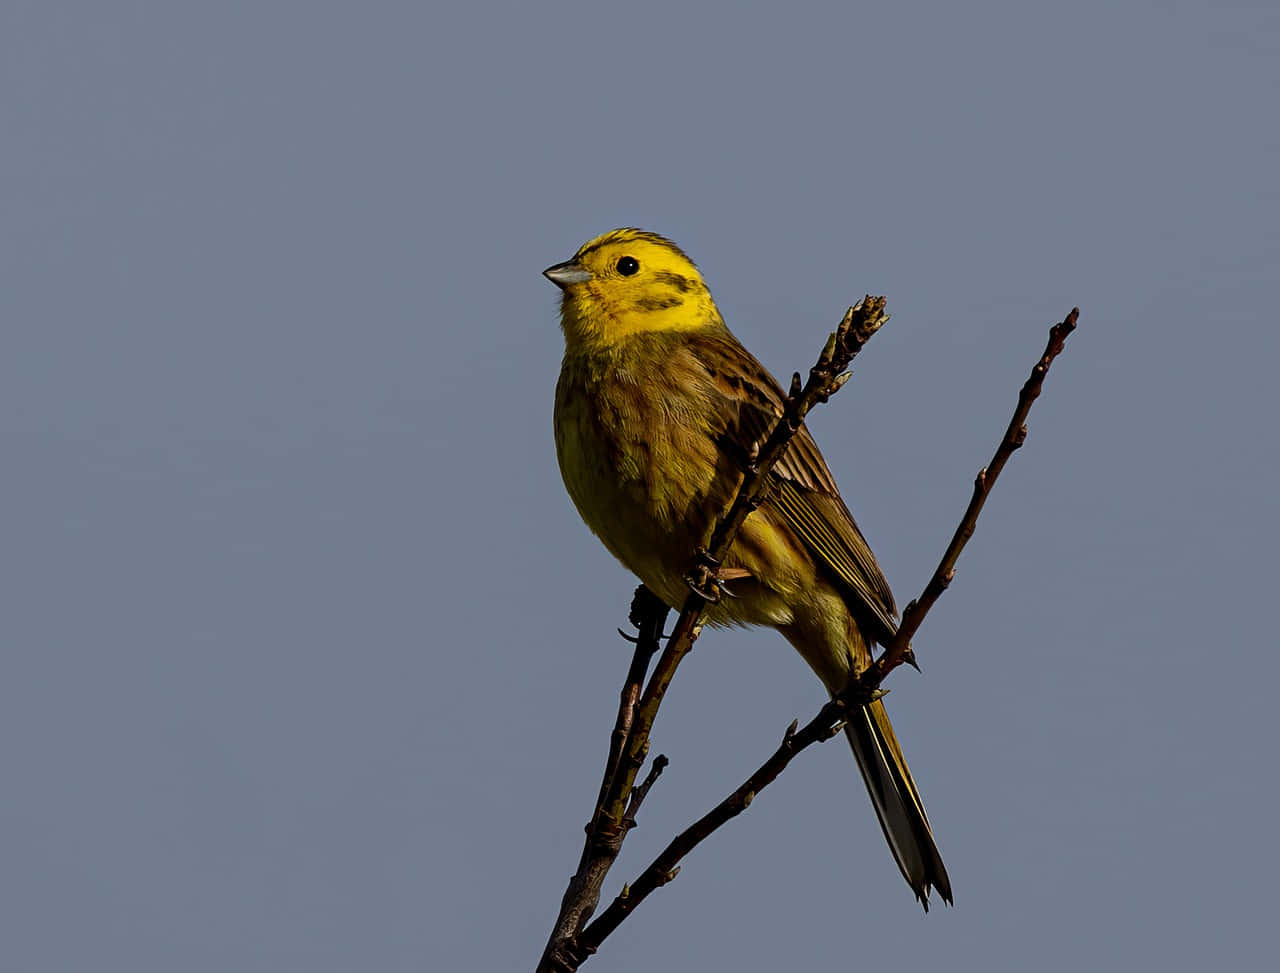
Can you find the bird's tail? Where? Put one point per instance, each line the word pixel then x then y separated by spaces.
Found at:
pixel 897 802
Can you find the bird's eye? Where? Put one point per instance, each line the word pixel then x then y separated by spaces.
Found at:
pixel 628 266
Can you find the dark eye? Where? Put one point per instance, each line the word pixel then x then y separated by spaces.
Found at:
pixel 628 266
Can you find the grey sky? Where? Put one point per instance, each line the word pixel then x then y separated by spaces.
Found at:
pixel 308 663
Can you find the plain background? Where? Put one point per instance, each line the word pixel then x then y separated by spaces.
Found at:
pixel 308 663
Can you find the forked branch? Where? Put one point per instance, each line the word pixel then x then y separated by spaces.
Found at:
pixel 572 939
pixel 861 690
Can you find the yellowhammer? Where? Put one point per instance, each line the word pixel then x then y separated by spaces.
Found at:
pixel 656 409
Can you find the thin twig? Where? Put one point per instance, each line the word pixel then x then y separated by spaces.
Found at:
pixel 608 828
pixel 666 866
pixel 648 614
pixel 899 648
pixel 860 691
pixel 641 791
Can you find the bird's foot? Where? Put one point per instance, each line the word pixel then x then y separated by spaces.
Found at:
pixel 707 578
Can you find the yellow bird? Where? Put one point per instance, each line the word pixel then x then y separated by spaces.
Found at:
pixel 656 409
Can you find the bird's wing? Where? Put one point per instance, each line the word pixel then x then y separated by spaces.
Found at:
pixel 804 491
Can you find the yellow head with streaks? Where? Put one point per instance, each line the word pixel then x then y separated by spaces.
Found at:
pixel 628 282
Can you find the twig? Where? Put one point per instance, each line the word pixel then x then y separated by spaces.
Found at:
pixel 666 866
pixel 899 648
pixel 564 952
pixel 603 843
pixel 648 615
pixel 859 692
pixel 639 793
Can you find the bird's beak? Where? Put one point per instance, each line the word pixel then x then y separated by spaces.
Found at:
pixel 569 272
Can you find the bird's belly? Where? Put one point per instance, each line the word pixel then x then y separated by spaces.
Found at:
pixel 649 534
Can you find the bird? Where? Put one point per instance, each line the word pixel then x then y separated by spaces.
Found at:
pixel 658 409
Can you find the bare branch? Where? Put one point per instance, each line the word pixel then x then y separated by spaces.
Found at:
pixel 899 648
pixel 860 691
pixel 648 614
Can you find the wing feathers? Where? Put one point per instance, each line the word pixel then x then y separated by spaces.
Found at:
pixel 826 527
pixel 806 494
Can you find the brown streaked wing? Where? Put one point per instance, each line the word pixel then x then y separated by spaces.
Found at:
pixel 805 491
pixel 828 528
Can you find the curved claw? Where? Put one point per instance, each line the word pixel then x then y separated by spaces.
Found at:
pixel 709 592
pixel 635 639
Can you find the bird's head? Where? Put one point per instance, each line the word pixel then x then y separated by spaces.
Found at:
pixel 629 281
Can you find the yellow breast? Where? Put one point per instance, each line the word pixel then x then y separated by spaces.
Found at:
pixel 638 465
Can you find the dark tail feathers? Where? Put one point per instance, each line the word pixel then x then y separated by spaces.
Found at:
pixel 897 802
